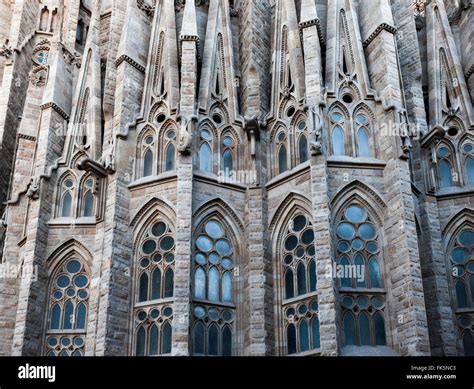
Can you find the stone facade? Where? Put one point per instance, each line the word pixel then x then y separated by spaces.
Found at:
pixel 197 177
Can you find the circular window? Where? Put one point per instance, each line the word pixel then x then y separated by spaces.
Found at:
pixel 302 125
pixel 203 243
pixel 299 223
pixel 199 312
pixel 468 148
pixel 158 229
pixel 81 281
pixel 214 229
pixel 291 243
pixel 355 214
pixel 217 118
pixel 443 152
pixel 161 118
pixel 223 247
pixel 73 266
pixel 227 263
pixel 347 98
pixel 213 314
pixel 69 184
pixel 453 131
pixel 149 140
pixel 63 281
pixel 167 243
pixel 144 262
pixel 290 111
pixel 149 246
pixel 281 136
pixel 346 231
pixel 228 141
pixel 171 134
pixel 200 258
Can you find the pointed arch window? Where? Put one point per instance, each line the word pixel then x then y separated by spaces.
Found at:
pixel 468 163
pixel 302 142
pixel 147 155
pixel 154 287
pixel 228 156
pixel 338 141
pixel 461 260
pixel 169 147
pixel 205 151
pixel 213 290
pixel 359 268
pixel 446 173
pixel 88 198
pixel 67 309
pixel 67 194
pixel 300 305
pixel 282 152
pixel 363 133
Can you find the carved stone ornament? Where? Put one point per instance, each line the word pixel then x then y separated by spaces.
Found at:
pixel 186 131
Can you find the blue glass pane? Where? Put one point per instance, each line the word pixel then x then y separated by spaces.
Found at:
pixel 363 147
pixel 226 342
pixel 304 336
pixel 367 231
pixel 289 287
pixel 198 338
pixel 356 214
pixel 312 276
pixel 213 287
pixel 379 330
pixel 227 288
pixel 282 160
pixel 291 242
pixel 461 294
pixel 66 209
pixel 467 238
pixel 338 144
pixel 143 288
pixel 169 283
pixel 291 339
pixel 301 279
pixel 200 284
pixel 88 205
pixel 316 343
pixel 346 231
pixel 214 229
pixel 299 222
pixel 81 281
pixel 156 284
pixel 469 166
pixel 460 255
pixel 153 340
pixel 360 264
pixel 140 347
pixel 55 317
pixel 170 158
pixel 446 175
pixel 166 342
pixel 203 243
pixel 213 340
pixel 205 158
pixel 375 274
pixel 307 237
pixel 73 266
pixel 81 316
pixel 227 162
pixel 471 284
pixel 349 330
pixel 68 316
pixel 224 247
pixel 345 281
pixel 364 329
pixel 303 149
pixel 148 163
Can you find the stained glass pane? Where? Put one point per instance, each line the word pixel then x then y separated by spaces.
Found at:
pixel 81 316
pixel 345 281
pixel 355 214
pixel 468 344
pixel 200 284
pixel 55 317
pixel 170 158
pixel 140 348
pixel 289 287
pixel 299 223
pixel 227 161
pixel 467 238
pixel 367 231
pixel 88 205
pixel 379 330
pixel 205 158
pixel 166 342
pixel 282 160
pixel 346 231
pixel 364 330
pixel 375 274
pixel 226 342
pixel 198 338
pixel 312 276
pixel 461 294
pixel 227 288
pixel 315 333
pixel 303 149
pixel 304 336
pixel 67 202
pixel 291 339
pixel 148 163
pixel 68 316
pixel 360 264
pixel 153 340
pixel 73 266
pixel 213 340
pixel 214 229
pixel 363 147
pixel 301 279
pixel 156 284
pixel 169 283
pixel 143 288
pixel 349 330
pixel 338 144
pixel 446 175
pixel 469 166
pixel 213 287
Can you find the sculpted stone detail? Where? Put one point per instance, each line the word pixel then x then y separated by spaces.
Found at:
pixel 186 131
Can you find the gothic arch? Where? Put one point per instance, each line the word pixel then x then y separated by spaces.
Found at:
pixel 149 210
pixel 294 200
pixel 365 194
pixel 67 249
pixel 341 106
pixel 457 222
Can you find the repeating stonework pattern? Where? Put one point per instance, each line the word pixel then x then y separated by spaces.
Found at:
pixel 247 177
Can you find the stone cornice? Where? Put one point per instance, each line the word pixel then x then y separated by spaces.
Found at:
pixel 26 137
pixel 377 31
pixel 57 108
pixel 130 61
